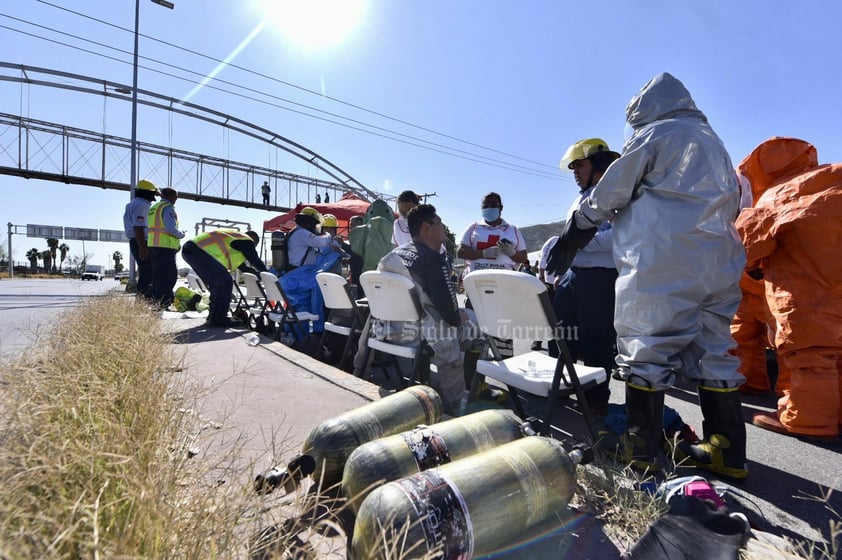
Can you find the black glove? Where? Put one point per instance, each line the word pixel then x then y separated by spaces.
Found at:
pixel 560 258
pixel 575 238
pixel 569 242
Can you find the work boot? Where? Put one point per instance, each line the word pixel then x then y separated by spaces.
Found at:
pixel 639 446
pixel 723 449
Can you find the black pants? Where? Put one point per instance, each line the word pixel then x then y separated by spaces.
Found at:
pixel 215 276
pixel 584 305
pixel 165 274
pixel 144 270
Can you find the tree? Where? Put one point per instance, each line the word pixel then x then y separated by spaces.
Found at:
pixel 52 243
pixel 33 255
pixel 47 258
pixel 118 261
pixel 63 249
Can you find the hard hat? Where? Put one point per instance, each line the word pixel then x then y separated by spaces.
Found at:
pixel 583 149
pixel 310 211
pixel 144 185
pixel 329 220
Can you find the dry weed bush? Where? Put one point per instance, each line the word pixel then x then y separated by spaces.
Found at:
pixel 95 440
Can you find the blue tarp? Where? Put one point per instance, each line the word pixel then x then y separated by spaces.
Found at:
pixel 303 292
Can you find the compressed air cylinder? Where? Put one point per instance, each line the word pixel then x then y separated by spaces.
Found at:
pixel 425 447
pixel 331 442
pixel 469 507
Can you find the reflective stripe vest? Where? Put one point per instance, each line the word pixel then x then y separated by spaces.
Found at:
pixel 157 235
pixel 218 245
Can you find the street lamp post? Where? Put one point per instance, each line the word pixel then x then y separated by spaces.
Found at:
pixel 133 163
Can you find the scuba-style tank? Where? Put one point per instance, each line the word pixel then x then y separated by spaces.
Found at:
pixel 280 254
pixel 470 507
pixel 390 458
pixel 331 442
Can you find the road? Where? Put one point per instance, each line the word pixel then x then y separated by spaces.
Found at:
pixel 28 306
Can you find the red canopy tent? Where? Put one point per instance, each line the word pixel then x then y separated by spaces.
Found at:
pixel 347 206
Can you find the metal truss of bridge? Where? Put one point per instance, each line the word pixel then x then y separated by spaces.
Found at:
pixel 44 150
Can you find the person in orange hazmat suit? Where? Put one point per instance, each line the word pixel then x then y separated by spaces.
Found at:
pixel 753 326
pixel 751 329
pixel 793 238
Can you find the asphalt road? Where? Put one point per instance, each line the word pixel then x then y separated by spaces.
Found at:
pixel 28 306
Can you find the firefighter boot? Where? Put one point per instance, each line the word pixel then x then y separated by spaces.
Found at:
pixel 644 435
pixel 723 449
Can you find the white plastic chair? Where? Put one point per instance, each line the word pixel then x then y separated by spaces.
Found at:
pixel 281 312
pixel 346 318
pixel 514 305
pixel 195 283
pixel 392 297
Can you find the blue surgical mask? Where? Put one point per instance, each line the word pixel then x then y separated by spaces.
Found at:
pixel 490 214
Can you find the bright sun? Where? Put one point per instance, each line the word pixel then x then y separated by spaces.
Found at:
pixel 314 23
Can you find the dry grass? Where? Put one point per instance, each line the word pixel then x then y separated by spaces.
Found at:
pixel 96 444
pixel 611 493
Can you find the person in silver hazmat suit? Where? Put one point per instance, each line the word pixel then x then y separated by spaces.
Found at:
pixel 673 197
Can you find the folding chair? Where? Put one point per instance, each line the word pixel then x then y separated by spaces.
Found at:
pixel 239 305
pixel 392 297
pixel 515 305
pixel 282 313
pixel 346 318
pixel 258 303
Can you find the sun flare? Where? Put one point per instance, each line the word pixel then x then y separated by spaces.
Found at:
pixel 314 23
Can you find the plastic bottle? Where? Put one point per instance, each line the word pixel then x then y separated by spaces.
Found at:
pixel 332 442
pixel 425 447
pixel 531 369
pixel 463 403
pixel 470 507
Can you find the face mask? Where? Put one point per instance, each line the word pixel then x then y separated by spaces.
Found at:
pixel 490 214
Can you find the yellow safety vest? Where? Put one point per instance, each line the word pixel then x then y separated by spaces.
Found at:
pixel 218 245
pixel 157 235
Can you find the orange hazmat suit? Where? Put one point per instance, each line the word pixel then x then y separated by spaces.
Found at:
pixel 750 329
pixel 794 235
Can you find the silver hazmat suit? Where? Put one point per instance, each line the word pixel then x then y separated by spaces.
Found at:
pixel 673 197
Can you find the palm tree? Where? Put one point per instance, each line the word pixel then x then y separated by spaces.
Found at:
pixel 118 261
pixel 33 255
pixel 52 243
pixel 63 249
pixel 47 258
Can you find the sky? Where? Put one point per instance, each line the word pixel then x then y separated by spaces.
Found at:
pixel 482 95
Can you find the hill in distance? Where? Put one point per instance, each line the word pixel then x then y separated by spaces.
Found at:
pixel 537 234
